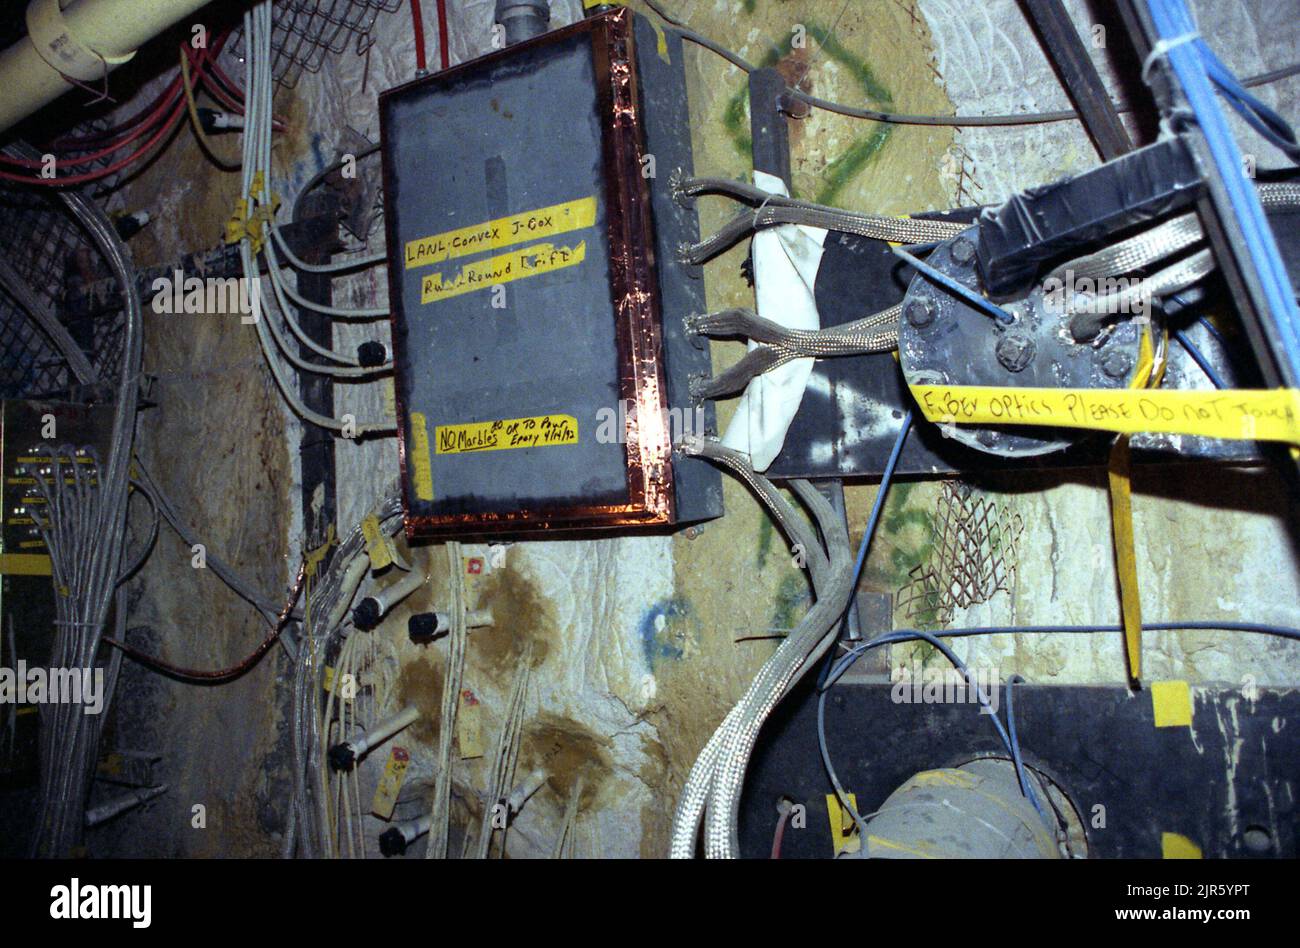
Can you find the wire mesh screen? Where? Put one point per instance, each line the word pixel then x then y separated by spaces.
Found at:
pixel 51 252
pixel 305 30
pixel 973 555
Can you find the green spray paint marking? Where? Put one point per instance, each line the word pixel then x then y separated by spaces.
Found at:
pixel 844 167
pixel 792 600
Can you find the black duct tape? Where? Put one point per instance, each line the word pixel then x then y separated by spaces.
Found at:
pixel 1038 225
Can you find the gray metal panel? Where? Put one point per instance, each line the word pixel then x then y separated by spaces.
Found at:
pixel 666 119
pixel 517 134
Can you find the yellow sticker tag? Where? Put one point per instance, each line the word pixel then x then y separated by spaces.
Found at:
pixel 1171 703
pixel 540 431
pixel 379 547
pixel 421 462
pixel 503 268
pixel 390 783
pixel 1249 414
pixel 502 232
pixel 469 725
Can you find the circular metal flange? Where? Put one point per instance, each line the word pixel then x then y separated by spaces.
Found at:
pixel 943 340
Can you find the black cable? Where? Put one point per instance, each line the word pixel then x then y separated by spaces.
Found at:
pixel 900 118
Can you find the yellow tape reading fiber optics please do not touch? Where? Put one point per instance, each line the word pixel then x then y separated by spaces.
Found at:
pixel 1239 414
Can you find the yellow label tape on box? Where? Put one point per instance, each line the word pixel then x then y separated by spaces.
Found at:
pixel 502 232
pixel 421 464
pixel 1250 414
pixel 390 783
pixel 1171 703
pixel 541 431
pixel 503 268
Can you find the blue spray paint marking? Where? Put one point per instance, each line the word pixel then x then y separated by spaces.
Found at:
pixel 656 640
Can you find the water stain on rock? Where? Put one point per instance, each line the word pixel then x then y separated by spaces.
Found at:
pixel 521 616
pixel 566 750
pixel 420 684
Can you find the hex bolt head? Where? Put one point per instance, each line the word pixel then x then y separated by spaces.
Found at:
pixel 963 251
pixel 919 312
pixel 1116 364
pixel 1015 350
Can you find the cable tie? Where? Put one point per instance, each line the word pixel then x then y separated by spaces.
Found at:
pixel 1162 48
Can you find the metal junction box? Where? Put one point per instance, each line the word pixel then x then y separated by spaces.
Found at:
pixel 537 303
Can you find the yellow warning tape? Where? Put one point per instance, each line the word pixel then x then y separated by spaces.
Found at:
pixel 1121 516
pixel 1239 414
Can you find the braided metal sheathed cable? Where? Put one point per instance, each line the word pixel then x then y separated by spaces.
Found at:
pixel 713 788
pixel 1169 280
pixel 907 230
pixel 798 652
pixel 780 344
pixel 440 825
pixel 1134 253
pixel 690 809
pixel 1164 240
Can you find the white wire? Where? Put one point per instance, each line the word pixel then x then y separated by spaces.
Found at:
pixel 257 157
pixel 341 266
pixel 351 368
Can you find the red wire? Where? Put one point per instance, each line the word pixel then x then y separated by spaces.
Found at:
pixel 98 173
pixel 417 27
pixel 131 127
pixel 148 114
pixel 442 33
pixel 171 96
pixel 147 123
pixel 779 835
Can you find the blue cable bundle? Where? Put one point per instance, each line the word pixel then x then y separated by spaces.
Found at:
pixel 1196 67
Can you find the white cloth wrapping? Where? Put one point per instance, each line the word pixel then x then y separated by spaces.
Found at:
pixel 786 259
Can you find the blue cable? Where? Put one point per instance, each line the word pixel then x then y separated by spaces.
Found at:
pixel 948 283
pixel 1199 358
pixel 1268 123
pixel 889 637
pixel 1210 328
pixel 1015 741
pixel 1172 22
pixel 908 635
pixel 886 477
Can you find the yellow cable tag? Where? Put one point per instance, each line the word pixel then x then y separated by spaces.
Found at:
pixel 1240 414
pixel 314 557
pixel 421 463
pixel 390 783
pixel 469 726
pixel 379 547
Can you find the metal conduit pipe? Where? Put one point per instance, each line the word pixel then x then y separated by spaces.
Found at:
pixel 522 19
pixel 82 40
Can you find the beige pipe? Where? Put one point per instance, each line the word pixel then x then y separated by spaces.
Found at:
pixel 84 41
